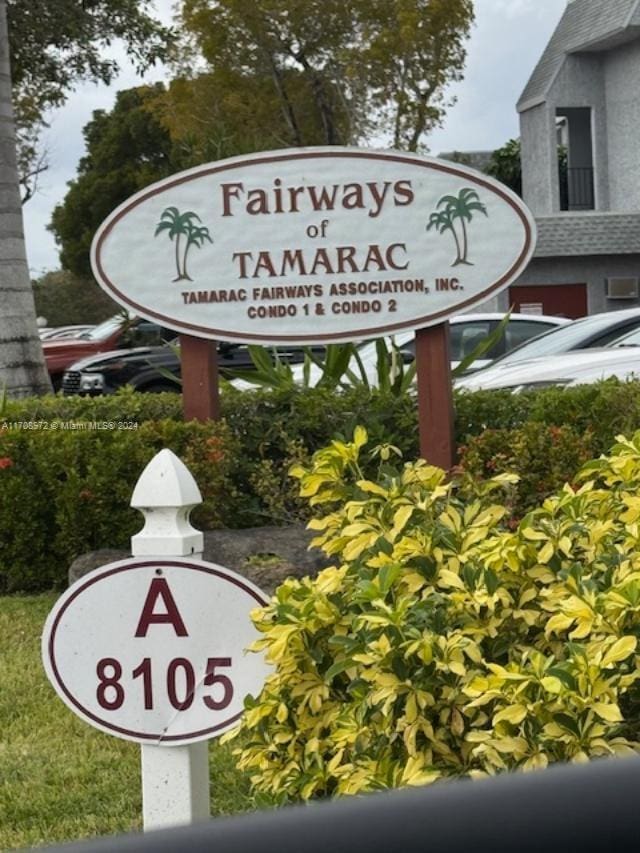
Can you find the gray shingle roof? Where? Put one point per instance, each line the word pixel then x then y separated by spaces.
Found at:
pixel 567 234
pixel 585 25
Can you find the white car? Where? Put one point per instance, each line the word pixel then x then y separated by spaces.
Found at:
pixel 466 332
pixel 564 369
pixel 596 330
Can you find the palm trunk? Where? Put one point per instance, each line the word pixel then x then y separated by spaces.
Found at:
pixel 179 275
pixel 455 237
pixel 465 243
pixel 22 367
pixel 185 274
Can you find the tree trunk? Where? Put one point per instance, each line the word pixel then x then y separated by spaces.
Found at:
pixel 324 108
pixel 286 105
pixel 22 367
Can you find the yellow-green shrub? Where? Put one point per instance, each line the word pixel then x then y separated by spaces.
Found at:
pixel 445 644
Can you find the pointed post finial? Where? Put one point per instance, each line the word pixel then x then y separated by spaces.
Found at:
pixel 165 494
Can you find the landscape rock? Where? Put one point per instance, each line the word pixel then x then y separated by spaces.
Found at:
pixel 86 563
pixel 264 555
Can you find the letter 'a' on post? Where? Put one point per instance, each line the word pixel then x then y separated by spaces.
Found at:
pixel 159 588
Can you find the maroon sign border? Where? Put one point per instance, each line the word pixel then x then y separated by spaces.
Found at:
pixel 76 590
pixel 216 334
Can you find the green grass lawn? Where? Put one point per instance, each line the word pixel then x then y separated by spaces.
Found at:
pixel 60 779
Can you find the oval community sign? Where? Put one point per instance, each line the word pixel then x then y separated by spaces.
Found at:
pixel 154 651
pixel 317 244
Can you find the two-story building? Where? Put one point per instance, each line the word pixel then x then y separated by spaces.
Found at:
pixel 580 142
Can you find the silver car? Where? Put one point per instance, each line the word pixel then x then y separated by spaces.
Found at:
pixel 589 349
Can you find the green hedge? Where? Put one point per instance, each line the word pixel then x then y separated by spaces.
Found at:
pixel 606 409
pixel 68 466
pixel 544 436
pixel 65 491
pixel 544 457
pixel 126 405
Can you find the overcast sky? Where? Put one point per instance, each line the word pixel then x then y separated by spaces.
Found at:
pixel 505 44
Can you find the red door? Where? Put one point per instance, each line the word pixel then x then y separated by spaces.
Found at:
pixel 560 300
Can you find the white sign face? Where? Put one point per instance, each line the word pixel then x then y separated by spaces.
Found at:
pixel 154 651
pixel 313 245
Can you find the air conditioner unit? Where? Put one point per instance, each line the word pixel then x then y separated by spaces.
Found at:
pixel 622 288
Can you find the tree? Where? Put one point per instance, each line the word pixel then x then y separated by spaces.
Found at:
pixel 225 112
pixel 127 149
pixel 22 368
pixel 506 167
pixel 279 73
pixel 292 44
pixel 63 298
pixel 359 67
pixel 54 45
pixel 411 51
pixel 442 221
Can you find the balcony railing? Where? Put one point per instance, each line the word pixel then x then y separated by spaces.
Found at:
pixel 576 188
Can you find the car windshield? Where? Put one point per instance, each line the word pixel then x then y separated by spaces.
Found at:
pixel 104 329
pixel 559 339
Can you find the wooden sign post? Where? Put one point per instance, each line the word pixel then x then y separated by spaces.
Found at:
pixel 435 397
pixel 199 371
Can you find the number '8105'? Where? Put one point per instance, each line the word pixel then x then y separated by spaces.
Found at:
pixel 179 683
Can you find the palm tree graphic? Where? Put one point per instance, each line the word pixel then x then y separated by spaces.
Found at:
pixel 454 209
pixel 182 225
pixel 443 221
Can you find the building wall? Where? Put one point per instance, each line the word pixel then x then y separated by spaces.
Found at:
pixel 592 271
pixel 609 84
pixel 580 83
pixel 539 160
pixel 622 90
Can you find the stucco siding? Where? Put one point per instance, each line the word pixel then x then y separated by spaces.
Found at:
pixel 580 83
pixel 539 160
pixel 622 87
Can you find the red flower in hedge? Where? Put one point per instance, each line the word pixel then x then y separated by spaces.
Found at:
pixel 6 462
pixel 86 494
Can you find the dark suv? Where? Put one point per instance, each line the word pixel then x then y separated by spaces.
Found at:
pixel 114 333
pixel 154 368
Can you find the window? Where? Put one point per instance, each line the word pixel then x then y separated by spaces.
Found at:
pixel 465 337
pixel 146 334
pixel 518 333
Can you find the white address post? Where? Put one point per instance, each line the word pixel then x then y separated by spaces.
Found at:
pixel 152 649
pixel 175 779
